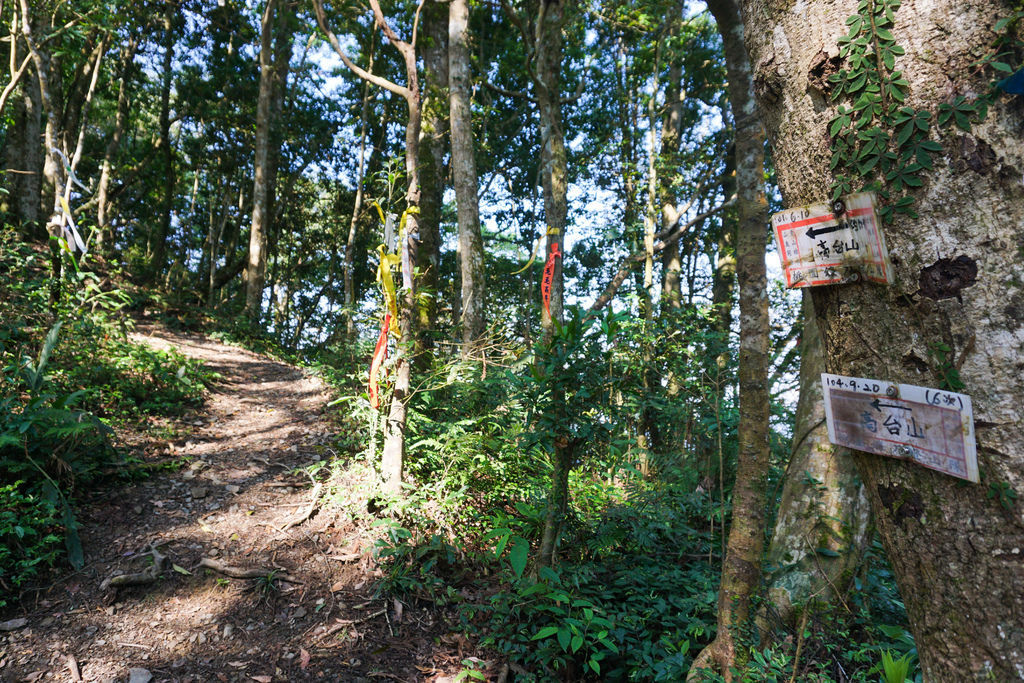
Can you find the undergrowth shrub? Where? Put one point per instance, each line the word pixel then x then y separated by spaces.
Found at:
pixel 62 385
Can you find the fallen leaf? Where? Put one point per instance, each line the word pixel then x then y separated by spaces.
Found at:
pixel 303 659
pixel 34 676
pixel 262 679
pixel 181 570
pixel 238 665
pixel 338 586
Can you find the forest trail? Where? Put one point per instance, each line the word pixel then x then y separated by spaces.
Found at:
pixel 239 501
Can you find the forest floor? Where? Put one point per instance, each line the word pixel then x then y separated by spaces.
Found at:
pixel 239 500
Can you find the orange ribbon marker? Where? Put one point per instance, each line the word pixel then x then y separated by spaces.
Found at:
pixel 549 275
pixel 380 354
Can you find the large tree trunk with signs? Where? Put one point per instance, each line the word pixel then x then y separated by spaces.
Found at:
pixel 464 177
pixel 741 567
pixel 823 516
pixel 393 455
pixel 954 315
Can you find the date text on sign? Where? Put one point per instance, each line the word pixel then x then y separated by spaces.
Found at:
pixel 823 245
pixel 931 427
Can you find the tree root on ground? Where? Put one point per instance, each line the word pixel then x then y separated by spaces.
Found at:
pixel 143 578
pixel 242 573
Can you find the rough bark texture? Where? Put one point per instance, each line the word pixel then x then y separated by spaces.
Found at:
pixel 554 173
pixel 433 131
pixel 471 246
pixel 106 169
pixel 741 567
pixel 27 156
pixel 957 554
pixel 159 240
pixel 256 270
pixel 823 504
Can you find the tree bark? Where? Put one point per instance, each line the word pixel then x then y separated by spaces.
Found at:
pixel 256 270
pixel 102 188
pixel 547 46
pixel 741 567
pixel 822 507
pixel 158 249
pixel 471 246
pixel 349 264
pixel 432 173
pixel 956 552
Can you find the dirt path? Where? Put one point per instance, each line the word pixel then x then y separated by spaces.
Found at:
pixel 261 424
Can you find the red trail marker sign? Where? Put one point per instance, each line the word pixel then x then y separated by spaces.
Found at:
pixel 932 427
pixel 823 245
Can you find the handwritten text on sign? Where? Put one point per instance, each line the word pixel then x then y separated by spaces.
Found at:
pixel 819 247
pixel 932 427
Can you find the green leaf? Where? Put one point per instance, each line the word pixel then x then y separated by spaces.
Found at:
pixel 563 638
pixel 181 570
pixel 1002 66
pixel 577 642
pixel 885 34
pixel 517 557
pixel 545 632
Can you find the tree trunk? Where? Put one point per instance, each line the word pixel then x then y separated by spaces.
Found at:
pixel 547 47
pixel 256 270
pixel 393 453
pixel 349 264
pixel 823 504
pixel 471 246
pixel 158 249
pixel 102 203
pixel 432 173
pixel 671 133
pixel 955 548
pixel 741 567
pixel 27 156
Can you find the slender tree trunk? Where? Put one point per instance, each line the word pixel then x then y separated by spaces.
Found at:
pixel 432 173
pixel 102 188
pixel 956 549
pixel 393 453
pixel 471 246
pixel 547 47
pixel 823 504
pixel 671 134
pixel 348 269
pixel 554 170
pixel 741 567
pixel 256 270
pixel 158 249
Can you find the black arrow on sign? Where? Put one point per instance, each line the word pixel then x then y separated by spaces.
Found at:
pixel 812 233
pixel 878 405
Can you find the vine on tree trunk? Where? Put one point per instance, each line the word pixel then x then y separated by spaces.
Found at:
pixel 879 142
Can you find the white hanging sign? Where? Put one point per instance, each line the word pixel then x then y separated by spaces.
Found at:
pixel 932 427
pixel 819 246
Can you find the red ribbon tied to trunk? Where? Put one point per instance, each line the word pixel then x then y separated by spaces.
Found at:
pixel 380 354
pixel 549 275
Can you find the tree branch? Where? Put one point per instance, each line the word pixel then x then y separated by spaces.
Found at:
pixel 662 239
pixel 321 19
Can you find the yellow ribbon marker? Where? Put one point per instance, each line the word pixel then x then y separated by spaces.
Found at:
pixel 387 282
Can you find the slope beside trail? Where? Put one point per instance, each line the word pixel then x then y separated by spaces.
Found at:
pixel 240 501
